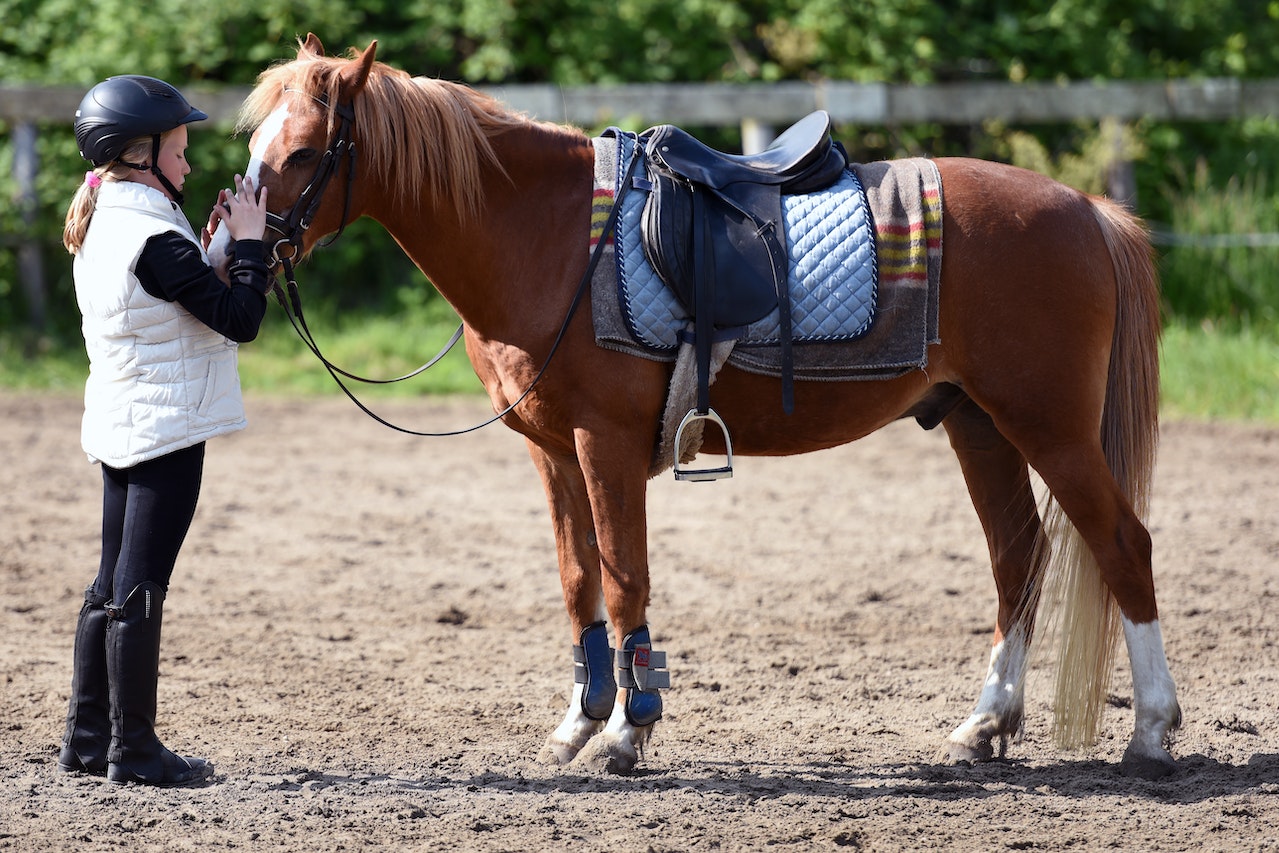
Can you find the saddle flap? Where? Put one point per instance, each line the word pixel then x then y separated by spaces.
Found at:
pixel 713 229
pixel 694 238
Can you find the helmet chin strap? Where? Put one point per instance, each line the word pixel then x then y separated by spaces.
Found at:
pixel 154 169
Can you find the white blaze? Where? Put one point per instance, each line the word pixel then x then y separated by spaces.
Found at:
pixel 266 134
pixel 220 248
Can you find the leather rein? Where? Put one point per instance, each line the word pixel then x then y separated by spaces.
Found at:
pixel 299 218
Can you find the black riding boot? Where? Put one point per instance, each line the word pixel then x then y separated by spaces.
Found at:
pixel 84 745
pixel 133 664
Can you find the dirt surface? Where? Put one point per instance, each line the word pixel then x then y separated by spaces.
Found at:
pixel 365 634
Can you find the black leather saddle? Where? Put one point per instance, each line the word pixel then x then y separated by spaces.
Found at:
pixel 712 229
pixel 800 160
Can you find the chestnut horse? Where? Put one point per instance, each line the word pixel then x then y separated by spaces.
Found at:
pixel 1047 359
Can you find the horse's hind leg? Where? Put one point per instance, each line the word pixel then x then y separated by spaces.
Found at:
pixel 1081 481
pixel 594 687
pixel 999 484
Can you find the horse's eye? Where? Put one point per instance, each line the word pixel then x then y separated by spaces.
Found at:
pixel 302 155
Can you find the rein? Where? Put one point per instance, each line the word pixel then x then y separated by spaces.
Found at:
pixel 292 304
pixel 300 217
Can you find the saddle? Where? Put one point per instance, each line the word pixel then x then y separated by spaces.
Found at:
pixel 712 229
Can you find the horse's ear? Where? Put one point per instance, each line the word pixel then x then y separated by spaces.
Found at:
pixel 312 45
pixel 357 74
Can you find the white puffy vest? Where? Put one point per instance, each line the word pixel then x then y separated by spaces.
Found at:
pixel 159 379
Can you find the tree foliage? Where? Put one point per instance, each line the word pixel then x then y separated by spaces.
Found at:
pixel 576 41
pixel 79 42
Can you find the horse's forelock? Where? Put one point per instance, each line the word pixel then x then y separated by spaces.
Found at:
pixel 309 74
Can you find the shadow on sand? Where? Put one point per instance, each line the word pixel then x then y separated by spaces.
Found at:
pixel 1198 778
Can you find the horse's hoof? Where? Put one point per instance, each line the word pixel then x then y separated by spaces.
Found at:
pixel 608 755
pixel 953 752
pixel 1139 765
pixel 557 753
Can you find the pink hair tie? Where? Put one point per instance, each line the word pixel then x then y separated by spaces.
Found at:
pixel 93 179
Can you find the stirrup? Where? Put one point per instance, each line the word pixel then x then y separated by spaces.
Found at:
pixel 702 475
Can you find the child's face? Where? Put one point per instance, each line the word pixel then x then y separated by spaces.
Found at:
pixel 173 157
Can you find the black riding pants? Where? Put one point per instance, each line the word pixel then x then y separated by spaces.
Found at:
pixel 146 512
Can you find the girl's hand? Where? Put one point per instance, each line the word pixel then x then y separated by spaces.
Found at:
pixel 241 210
pixel 207 232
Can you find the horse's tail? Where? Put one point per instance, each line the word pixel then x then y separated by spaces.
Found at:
pixel 1089 626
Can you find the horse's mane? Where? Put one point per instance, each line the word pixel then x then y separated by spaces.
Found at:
pixel 424 131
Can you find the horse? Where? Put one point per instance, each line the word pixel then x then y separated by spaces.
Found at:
pixel 1046 361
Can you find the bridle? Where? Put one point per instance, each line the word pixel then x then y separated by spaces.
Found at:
pixel 300 216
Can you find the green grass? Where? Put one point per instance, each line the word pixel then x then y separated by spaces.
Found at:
pixel 375 346
pixel 278 363
pixel 1219 260
pixel 1208 372
pixel 41 367
pixel 1211 373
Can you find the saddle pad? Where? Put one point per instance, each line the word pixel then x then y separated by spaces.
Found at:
pixel 838 277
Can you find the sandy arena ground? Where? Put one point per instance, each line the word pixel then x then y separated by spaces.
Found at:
pixel 365 634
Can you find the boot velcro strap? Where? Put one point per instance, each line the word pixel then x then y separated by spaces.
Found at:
pixel 642 668
pixel 579 665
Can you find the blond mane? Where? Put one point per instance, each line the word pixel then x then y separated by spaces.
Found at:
pixel 426 132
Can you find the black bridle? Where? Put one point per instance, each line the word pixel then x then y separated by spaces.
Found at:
pixel 302 214
pixel 341 149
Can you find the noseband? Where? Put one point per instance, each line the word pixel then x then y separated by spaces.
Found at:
pixel 300 216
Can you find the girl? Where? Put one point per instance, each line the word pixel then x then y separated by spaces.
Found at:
pixel 161 330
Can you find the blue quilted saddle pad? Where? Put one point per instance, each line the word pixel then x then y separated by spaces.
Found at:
pixel 830 241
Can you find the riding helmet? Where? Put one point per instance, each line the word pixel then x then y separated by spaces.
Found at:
pixel 121 109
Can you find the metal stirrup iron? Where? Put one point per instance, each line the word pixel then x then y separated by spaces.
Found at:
pixel 702 475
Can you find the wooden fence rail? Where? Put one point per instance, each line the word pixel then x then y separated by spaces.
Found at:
pixel 757 108
pixel 722 104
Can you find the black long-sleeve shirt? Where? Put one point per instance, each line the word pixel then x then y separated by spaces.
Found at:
pixel 171 268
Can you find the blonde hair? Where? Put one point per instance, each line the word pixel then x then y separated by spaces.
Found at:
pixel 80 211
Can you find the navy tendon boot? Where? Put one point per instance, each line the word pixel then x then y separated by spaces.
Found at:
pixel 133 665
pixel 88 734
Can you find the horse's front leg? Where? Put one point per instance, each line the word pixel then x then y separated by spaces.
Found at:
pixel 616 482
pixel 594 687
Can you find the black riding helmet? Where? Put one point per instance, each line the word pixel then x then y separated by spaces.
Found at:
pixel 120 109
